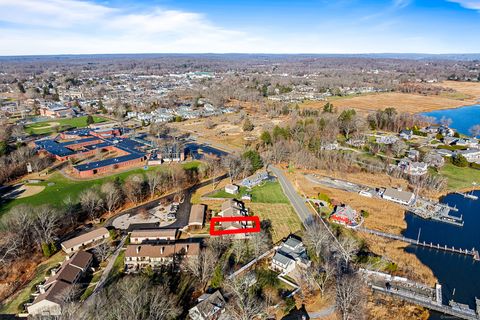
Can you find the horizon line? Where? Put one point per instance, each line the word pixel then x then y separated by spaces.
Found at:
pixel 238 53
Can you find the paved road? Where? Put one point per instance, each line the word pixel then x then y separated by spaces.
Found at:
pixel 183 213
pixel 322 313
pixel 103 279
pixel 297 202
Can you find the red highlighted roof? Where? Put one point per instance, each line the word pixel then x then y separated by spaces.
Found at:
pixel 255 228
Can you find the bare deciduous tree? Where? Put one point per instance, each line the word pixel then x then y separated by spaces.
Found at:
pixel 112 196
pixel 46 220
pixel 133 188
pixel 201 266
pixel 350 296
pixel 102 251
pixel 244 304
pixel 153 180
pixel 259 243
pixel 91 201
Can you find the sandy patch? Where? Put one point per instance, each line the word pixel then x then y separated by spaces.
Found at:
pixel 23 191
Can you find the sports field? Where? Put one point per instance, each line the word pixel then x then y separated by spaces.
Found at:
pixel 50 126
pixel 58 188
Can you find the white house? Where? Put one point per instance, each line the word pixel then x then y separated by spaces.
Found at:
pixel 413 168
pixel 472 155
pixel 291 253
pixel 231 189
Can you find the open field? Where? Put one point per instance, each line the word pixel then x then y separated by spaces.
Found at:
pixel 269 192
pixel 63 187
pixel 460 178
pixel 284 219
pixel 49 126
pixel 12 306
pixel 403 102
pixel 471 89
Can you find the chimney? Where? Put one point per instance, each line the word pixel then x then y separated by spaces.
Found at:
pixel 186 248
pixel 162 249
pixel 138 249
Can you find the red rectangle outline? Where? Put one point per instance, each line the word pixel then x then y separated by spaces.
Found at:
pixel 214 232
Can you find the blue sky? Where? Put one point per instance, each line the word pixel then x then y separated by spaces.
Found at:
pixel 198 26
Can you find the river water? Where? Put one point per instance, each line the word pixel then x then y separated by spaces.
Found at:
pixel 458 274
pixel 462 118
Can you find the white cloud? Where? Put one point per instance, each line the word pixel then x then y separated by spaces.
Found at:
pixel 469 4
pixel 72 26
pixel 399 4
pixel 52 13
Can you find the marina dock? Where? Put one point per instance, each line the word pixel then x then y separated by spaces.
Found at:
pixel 473 252
pixel 470 195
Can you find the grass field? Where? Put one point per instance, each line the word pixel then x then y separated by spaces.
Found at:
pixel 23 295
pixel 49 126
pixel 63 187
pixel 284 219
pixel 460 178
pixel 269 192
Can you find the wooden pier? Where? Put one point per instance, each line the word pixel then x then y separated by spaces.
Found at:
pixel 470 196
pixel 473 252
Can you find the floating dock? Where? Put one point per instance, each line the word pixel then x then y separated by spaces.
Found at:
pixel 473 252
pixel 470 196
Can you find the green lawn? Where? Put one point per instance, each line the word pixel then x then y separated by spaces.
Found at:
pixel 459 178
pixel 63 187
pixel 49 126
pixel 15 305
pixel 269 192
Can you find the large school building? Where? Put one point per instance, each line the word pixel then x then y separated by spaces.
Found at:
pixel 84 143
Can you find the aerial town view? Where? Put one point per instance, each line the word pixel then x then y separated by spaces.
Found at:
pixel 244 160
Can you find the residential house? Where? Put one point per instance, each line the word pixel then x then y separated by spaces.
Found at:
pixel 329 146
pixel 413 168
pixel 386 139
pixel 345 215
pixel 406 134
pixel 472 155
pixel 85 240
pixel 255 179
pixel 209 307
pixel 446 131
pixel 291 253
pixel 138 257
pixel 398 196
pixel 59 285
pixel 152 235
pixel 235 208
pixel 231 189
pixel 413 155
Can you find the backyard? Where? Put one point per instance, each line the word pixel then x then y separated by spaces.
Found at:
pixel 460 178
pixel 50 126
pixel 268 192
pixel 284 219
pixel 15 304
